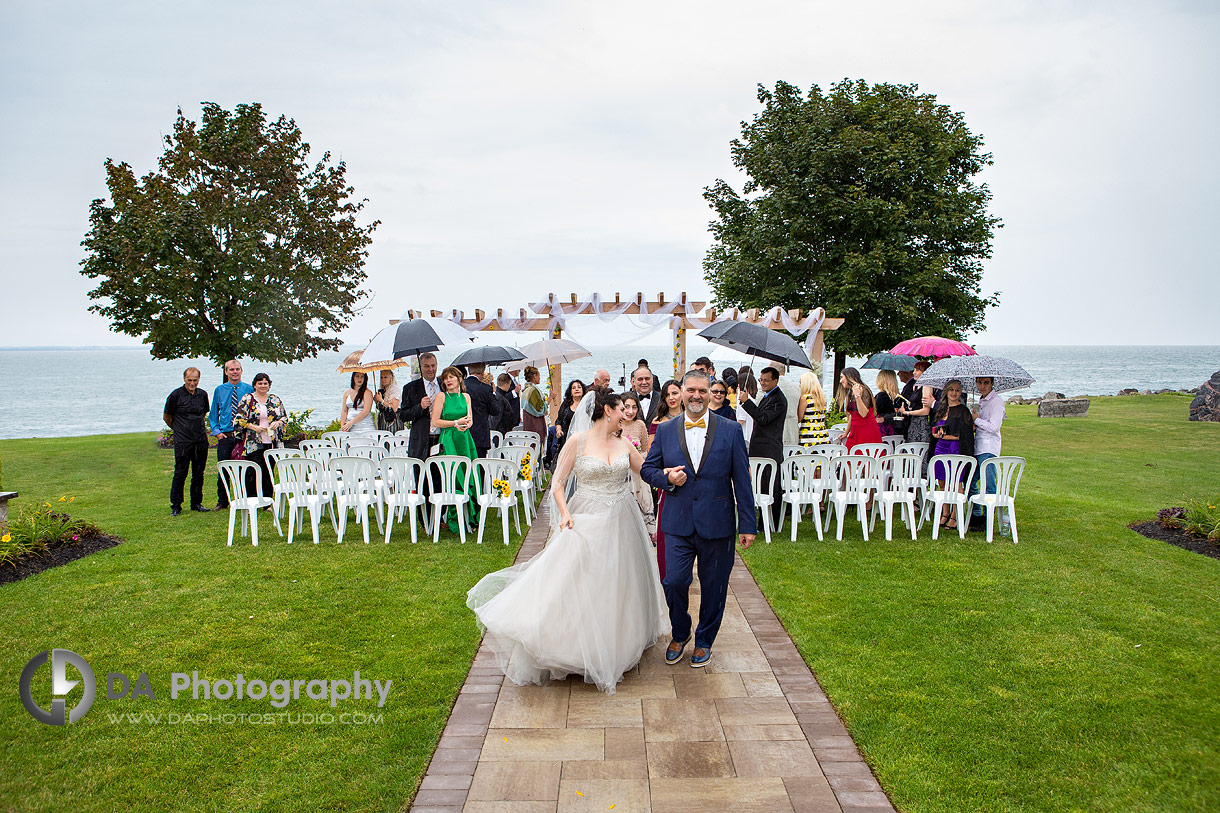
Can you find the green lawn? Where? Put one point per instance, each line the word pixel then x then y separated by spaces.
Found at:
pixel 174 598
pixel 1077 670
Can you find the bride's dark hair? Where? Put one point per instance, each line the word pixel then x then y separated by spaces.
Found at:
pixel 605 398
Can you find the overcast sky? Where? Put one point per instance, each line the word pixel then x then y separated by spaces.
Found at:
pixel 511 149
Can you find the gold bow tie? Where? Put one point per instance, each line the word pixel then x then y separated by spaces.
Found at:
pixel 699 424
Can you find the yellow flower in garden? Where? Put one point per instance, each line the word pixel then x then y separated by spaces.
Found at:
pixel 63 499
pixel 6 538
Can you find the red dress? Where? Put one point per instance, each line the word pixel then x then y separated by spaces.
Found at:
pixel 861 429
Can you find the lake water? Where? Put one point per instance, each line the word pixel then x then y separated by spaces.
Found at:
pixel 61 392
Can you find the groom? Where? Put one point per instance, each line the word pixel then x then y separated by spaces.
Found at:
pixel 700 460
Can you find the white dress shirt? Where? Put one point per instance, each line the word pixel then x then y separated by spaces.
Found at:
pixel 645 402
pixel 987 424
pixel 695 438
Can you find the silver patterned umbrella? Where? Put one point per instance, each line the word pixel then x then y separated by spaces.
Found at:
pixel 1008 375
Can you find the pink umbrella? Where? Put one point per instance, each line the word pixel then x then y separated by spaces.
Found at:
pixel 933 346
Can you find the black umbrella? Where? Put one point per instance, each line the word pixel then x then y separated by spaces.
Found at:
pixel 889 361
pixel 754 339
pixel 411 337
pixel 492 354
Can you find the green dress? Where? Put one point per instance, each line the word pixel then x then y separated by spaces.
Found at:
pixel 456 442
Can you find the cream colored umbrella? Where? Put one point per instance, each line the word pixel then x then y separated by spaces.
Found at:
pixel 354 363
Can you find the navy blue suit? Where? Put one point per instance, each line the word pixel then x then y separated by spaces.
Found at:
pixel 701 519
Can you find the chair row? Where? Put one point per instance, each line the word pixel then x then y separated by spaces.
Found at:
pixel 841 480
pixel 390 486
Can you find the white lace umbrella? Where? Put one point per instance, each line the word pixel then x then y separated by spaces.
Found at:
pixel 1008 375
pixel 548 352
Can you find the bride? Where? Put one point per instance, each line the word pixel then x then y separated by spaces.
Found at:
pixel 591 602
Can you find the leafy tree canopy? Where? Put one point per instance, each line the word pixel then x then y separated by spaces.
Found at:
pixel 234 246
pixel 861 201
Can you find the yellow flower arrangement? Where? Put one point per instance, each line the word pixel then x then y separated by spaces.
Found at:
pixel 527 470
pixel 502 486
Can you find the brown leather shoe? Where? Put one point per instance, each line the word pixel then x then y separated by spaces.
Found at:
pixel 673 652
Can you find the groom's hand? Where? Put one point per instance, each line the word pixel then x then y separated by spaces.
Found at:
pixel 746 540
pixel 676 475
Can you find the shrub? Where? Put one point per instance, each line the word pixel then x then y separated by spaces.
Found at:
pixel 32 532
pixel 1171 517
pixel 1202 518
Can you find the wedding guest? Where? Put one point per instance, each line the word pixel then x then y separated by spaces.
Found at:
pixel 953 430
pixel 641 385
pixel 812 409
pixel 916 409
pixel 718 393
pixel 601 380
pixel 262 416
pixel 484 406
pixel 356 407
pixel 452 415
pixel 416 408
pixel 861 413
pixel 510 404
pixel 636 431
pixel 571 398
pixel 388 399
pixel 185 410
pixel 533 405
pixel 767 440
pixel 224 407
pixel 792 397
pixel 730 382
pixel 886 400
pixel 988 416
pixel 656 382
pixel 747 387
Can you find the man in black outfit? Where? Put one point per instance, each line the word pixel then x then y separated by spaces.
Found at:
pixel 185 411
pixel 510 405
pixel 483 405
pixel 415 408
pixel 641 385
pixel 767 439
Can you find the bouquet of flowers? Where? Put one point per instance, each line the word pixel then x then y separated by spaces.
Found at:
pixel 527 471
pixel 502 486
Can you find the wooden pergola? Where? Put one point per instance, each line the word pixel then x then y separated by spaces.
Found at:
pixel 550 315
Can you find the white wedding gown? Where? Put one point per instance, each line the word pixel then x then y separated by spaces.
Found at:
pixel 591 602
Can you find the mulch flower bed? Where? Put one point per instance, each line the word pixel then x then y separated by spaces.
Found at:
pixel 57 555
pixel 1155 530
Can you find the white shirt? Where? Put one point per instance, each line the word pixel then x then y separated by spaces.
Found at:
pixel 987 424
pixel 695 438
pixel 645 403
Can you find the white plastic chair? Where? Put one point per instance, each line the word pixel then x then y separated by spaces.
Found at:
pixel 893 441
pixel 520 486
pixel 307 445
pixel 521 437
pixel 497 438
pixel 372 452
pixel 234 474
pixel 827 449
pixel 355 490
pixel 450 474
pixel 915 447
pixel 1007 480
pixel 763 469
pixel 835 435
pixel 398 446
pixel 299 476
pixel 338 439
pixel 806 478
pixel 854 474
pixel 790 450
pixel 959 468
pixel 840 427
pixel 903 484
pixel 878 451
pixel 487 496
pixel 403 433
pixel 402 490
pixel 273 458
pixel 378 436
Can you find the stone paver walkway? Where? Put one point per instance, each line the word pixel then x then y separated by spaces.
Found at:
pixel 751 731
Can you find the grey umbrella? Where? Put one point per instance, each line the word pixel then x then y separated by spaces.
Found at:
pixel 492 354
pixel 756 340
pixel 889 361
pixel 1008 375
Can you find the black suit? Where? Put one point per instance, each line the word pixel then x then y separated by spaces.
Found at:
pixel 420 419
pixel 483 405
pixel 650 411
pixel 767 439
pixel 510 411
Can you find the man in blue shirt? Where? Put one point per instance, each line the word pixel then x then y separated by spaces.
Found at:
pixel 224 404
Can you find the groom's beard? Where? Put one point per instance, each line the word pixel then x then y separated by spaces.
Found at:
pixel 695 408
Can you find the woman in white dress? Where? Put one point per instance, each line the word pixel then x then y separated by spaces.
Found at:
pixel 591 602
pixel 355 413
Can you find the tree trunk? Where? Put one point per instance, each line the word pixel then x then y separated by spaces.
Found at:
pixel 840 366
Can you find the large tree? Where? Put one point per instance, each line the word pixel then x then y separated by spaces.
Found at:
pixel 862 201
pixel 234 246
